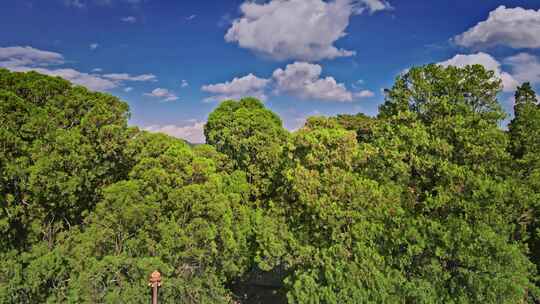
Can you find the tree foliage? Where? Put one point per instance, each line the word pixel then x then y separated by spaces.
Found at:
pixel 429 202
pixel 252 137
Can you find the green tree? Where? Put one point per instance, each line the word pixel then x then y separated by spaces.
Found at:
pixel 525 127
pixel 337 218
pixel 61 144
pixel 174 212
pixel 440 141
pixel 252 137
pixel 360 123
pixel 429 202
pixel 524 131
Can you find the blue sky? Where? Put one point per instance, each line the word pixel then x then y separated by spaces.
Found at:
pixel 173 61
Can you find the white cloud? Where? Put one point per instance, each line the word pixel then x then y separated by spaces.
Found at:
pixel 97 70
pixel 128 77
pixel 193 133
pixel 514 27
pixel 361 93
pixel 303 80
pixel 94 46
pixel 25 59
pixel 300 79
pixel 164 94
pixel 184 83
pixel 191 17
pixel 294 29
pixel 23 56
pixel 129 19
pixel 373 6
pixel 128 89
pixel 525 67
pixel 91 81
pixel 364 94
pixel 237 88
pixel 490 63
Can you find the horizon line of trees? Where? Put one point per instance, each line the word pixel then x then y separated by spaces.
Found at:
pixel 431 201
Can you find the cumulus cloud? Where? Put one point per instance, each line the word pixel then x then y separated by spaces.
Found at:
pixel 300 79
pixel 129 19
pixel 163 94
pixel 490 63
pixel 184 83
pixel 364 94
pixel 525 67
pixel 128 89
pixel 194 133
pixel 17 56
pixel 513 27
pixel 303 80
pixel 249 85
pixel 294 29
pixel 94 46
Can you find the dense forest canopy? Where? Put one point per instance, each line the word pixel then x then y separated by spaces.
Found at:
pixel 429 202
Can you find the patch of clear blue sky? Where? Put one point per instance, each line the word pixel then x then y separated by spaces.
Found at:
pixel 165 43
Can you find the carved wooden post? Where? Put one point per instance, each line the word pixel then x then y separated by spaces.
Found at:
pixel 155 282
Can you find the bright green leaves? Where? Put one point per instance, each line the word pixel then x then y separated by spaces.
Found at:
pixel 337 219
pixel 193 221
pixel 432 91
pixel 441 143
pixel 430 202
pixel 322 144
pixel 60 145
pixel 252 137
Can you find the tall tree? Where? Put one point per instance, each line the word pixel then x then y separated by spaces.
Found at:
pixel 360 123
pixel 525 127
pixel 429 202
pixel 252 137
pixel 61 144
pixel 440 141
pixel 524 131
pixel 337 218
